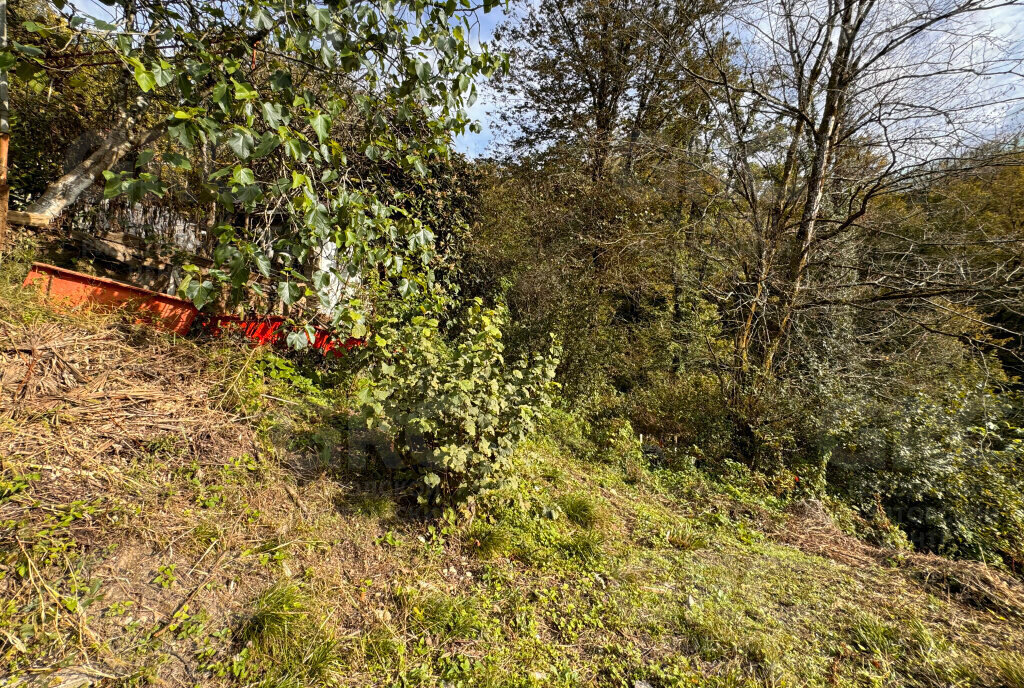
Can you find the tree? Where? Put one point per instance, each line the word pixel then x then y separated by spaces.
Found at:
pixel 276 108
pixel 597 74
pixel 838 104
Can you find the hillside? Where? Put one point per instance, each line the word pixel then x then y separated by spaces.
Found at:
pixel 176 513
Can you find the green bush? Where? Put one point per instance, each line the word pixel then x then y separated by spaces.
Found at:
pixel 450 407
pixel 947 469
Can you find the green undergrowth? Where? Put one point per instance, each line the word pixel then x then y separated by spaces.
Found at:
pixel 272 558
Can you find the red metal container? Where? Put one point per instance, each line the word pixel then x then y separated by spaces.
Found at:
pixel 69 289
pixel 268 329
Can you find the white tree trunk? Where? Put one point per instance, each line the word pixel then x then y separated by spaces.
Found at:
pixel 66 190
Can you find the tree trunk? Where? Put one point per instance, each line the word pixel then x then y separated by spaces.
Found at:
pixel 66 190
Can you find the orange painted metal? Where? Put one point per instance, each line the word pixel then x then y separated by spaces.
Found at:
pixel 70 289
pixel 270 329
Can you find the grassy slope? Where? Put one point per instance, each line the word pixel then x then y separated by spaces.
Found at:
pixel 202 532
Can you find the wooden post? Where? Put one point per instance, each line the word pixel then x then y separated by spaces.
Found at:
pixel 5 132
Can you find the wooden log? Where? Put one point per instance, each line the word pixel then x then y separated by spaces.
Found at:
pixel 20 217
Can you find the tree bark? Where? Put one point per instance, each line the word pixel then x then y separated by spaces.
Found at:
pixel 66 190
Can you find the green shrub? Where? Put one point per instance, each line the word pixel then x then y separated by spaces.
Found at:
pixel 946 469
pixel 450 406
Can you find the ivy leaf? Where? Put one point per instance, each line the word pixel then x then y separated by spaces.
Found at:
pixel 268 143
pixel 272 114
pixel 241 142
pixel 297 340
pixel 243 176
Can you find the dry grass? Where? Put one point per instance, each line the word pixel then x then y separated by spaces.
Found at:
pixel 164 540
pixel 812 530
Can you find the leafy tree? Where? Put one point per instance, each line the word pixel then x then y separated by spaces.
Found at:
pixel 293 97
pixel 598 74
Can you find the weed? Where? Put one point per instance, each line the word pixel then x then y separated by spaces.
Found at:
pixel 442 617
pixel 383 649
pixel 584 547
pixel 274 611
pixel 380 507
pixel 579 509
pixel 487 541
pixel 165 577
pixel 119 608
pixel 1011 669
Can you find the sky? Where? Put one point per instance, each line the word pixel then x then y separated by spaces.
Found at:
pixel 476 145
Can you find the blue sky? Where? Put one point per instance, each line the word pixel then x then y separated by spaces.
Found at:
pixel 475 145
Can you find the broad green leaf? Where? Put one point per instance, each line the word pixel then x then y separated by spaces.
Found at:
pixel 290 292
pixel 321 16
pixel 241 142
pixel 177 160
pixel 262 261
pixel 144 158
pixel 321 125
pixel 145 79
pixel 244 90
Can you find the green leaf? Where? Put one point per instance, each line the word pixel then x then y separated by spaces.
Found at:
pixel 243 176
pixel 241 142
pixel 290 292
pixel 359 330
pixel 268 143
pixel 262 261
pixel 423 71
pixel 244 90
pixel 272 114
pixel 321 124
pixel 177 160
pixel 29 50
pixel 163 73
pixel 220 95
pixel 144 158
pixel 432 480
pixel 113 186
pixel 321 16
pixel 145 79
